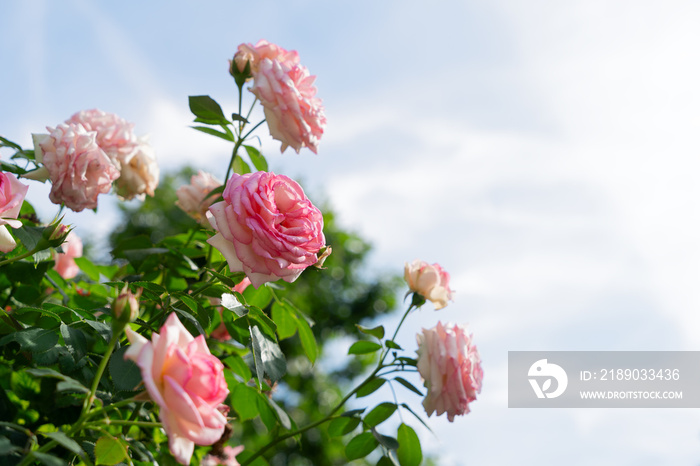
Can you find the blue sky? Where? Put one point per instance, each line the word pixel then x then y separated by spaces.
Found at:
pixel 545 153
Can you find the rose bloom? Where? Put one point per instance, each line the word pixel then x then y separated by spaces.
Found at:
pixel 79 170
pixel 220 333
pixel 65 261
pixel 139 173
pixel 266 227
pixel 12 194
pixel 450 366
pixel 186 381
pixel 228 458
pixel 192 198
pixel 115 135
pixel 258 52
pixel 429 281
pixel 294 114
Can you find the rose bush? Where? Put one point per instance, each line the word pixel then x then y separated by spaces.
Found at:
pixel 450 366
pixel 186 382
pixel 12 194
pixel 429 281
pixel 266 227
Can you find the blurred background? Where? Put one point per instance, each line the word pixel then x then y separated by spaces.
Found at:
pixel 544 153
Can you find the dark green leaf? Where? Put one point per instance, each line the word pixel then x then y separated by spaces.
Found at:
pixel 237 117
pixel 66 383
pixel 126 375
pixel 65 441
pixel 377 332
pixel 190 322
pixel 36 340
pixel 342 425
pixel 206 109
pixel 409 451
pixel 75 341
pixel 213 132
pixel 387 442
pixel 48 460
pixel 408 385
pixel 370 387
pixel 364 347
pixel 361 446
pixel 379 414
pixel 268 356
pixel 392 344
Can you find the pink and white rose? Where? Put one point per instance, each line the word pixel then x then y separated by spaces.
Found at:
pixel 429 281
pixel 258 52
pixel 450 366
pixel 186 381
pixel 64 262
pixel 78 169
pixel 294 114
pixel 192 198
pixel 12 194
pixel 115 135
pixel 227 458
pixel 266 227
pixel 139 172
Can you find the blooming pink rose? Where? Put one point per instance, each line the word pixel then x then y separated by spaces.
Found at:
pixel 186 382
pixel 192 198
pixel 258 52
pixel 429 281
pixel 294 114
pixel 139 172
pixel 220 333
pixel 228 458
pixel 266 227
pixel 65 262
pixel 79 170
pixel 115 135
pixel 12 194
pixel 450 366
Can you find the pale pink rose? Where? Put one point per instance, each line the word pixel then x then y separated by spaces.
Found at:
pixel 294 114
pixel 450 366
pixel 258 52
pixel 12 194
pixel 186 381
pixel 78 169
pixel 429 281
pixel 220 333
pixel 192 198
pixel 266 227
pixel 139 172
pixel 115 135
pixel 227 458
pixel 65 262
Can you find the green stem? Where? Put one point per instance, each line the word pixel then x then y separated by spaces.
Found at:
pixel 119 422
pixel 20 257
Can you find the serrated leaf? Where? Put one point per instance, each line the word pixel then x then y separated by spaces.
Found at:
pixel 268 356
pixel 409 451
pixel 109 450
pixel 364 347
pixel 379 414
pixel 361 446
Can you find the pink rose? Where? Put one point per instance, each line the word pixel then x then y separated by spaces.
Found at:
pixel 220 333
pixel 79 170
pixel 186 382
pixel 12 194
pixel 294 115
pixel 429 281
pixel 192 198
pixel 266 227
pixel 258 52
pixel 450 366
pixel 139 172
pixel 227 458
pixel 115 135
pixel 65 262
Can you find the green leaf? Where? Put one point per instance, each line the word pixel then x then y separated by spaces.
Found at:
pixel 244 402
pixel 126 375
pixel 361 446
pixel 408 408
pixel 88 268
pixel 370 387
pixel 36 340
pixel 268 356
pixel 66 442
pixel 190 322
pixel 66 383
pixel 256 316
pixel 284 319
pixel 237 117
pixel 390 443
pixel 206 109
pixel 342 425
pixel 75 341
pixel 239 367
pixel 48 460
pixel 257 158
pixel 392 344
pixel 364 347
pixel 408 385
pixel 240 166
pixel 308 341
pixel 379 414
pixel 280 413
pixel 377 332
pixel 109 450
pixel 409 451
pixel 260 297
pixel 213 132
pixel 231 303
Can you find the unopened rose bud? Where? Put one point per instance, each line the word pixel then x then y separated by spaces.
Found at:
pixel 126 306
